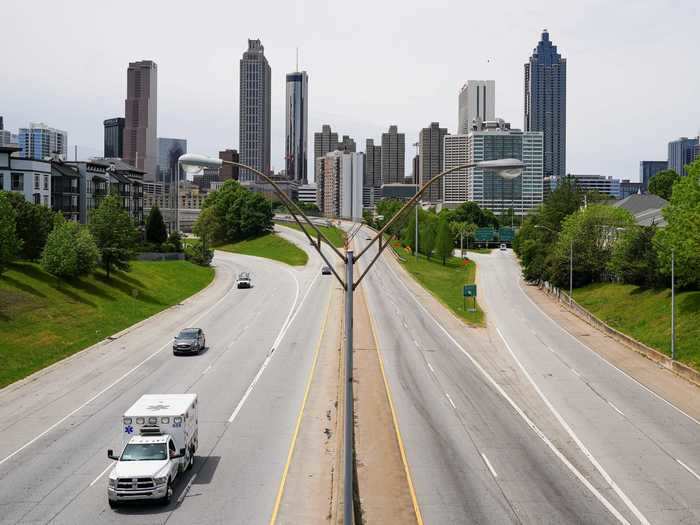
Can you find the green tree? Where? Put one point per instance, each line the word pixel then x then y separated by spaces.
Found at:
pixel 70 251
pixel 10 244
pixel 633 259
pixel 175 240
pixel 156 231
pixel 463 230
pixel 86 248
pixel 409 232
pixel 387 208
pixel 682 234
pixel 471 213
pixel 426 237
pixel 33 224
pixel 114 233
pixel 444 242
pixel 662 183
pixel 199 253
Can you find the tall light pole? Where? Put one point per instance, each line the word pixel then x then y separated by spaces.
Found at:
pixel 571 259
pixel 673 304
pixel 193 163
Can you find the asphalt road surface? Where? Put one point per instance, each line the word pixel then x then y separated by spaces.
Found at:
pixel 55 429
pixel 498 437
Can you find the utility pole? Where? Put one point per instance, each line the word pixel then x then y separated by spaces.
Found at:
pixel 673 304
pixel 415 176
pixel 348 430
pixel 571 270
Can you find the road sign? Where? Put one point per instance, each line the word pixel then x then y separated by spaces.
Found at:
pixel 484 234
pixel 469 290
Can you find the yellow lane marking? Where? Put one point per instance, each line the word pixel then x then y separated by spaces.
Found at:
pixel 280 491
pixel 414 499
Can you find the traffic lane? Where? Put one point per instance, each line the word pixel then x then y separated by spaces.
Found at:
pixel 253 448
pixel 519 473
pixel 650 449
pixel 82 440
pixel 29 407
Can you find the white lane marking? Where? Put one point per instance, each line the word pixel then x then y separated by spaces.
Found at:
pixel 101 474
pixel 488 464
pixel 628 502
pixel 603 358
pixel 519 411
pixel 187 488
pixel 112 384
pixel 287 321
pixel 575 372
pixel 281 335
pixel 450 400
pixel 686 467
pixel 616 409
pixel 206 369
pixel 431 367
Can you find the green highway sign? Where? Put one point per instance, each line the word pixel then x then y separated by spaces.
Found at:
pixel 469 290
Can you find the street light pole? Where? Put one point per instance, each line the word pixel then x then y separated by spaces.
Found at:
pixel 416 248
pixel 194 162
pixel 673 304
pixel 571 270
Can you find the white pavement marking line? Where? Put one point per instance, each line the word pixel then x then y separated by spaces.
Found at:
pixel 488 464
pixel 616 409
pixel 686 467
pixel 628 502
pixel 115 382
pixel 519 411
pixel 431 367
pixel 575 372
pixel 283 332
pixel 206 369
pixel 450 400
pixel 187 488
pixel 601 357
pixel 101 474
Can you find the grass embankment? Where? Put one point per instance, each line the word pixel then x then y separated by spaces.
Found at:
pixel 333 234
pixel 445 282
pixel 646 316
pixel 270 246
pixel 42 321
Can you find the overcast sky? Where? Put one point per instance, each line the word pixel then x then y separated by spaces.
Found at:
pixel 633 67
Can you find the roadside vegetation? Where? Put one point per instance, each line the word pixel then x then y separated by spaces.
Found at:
pixel 270 246
pixel 622 271
pixel 335 235
pixel 44 319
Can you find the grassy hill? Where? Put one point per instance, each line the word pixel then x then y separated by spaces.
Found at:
pixel 270 246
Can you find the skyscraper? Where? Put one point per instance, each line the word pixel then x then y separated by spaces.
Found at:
pixel 227 171
pixel 339 184
pixel 297 123
pixel 455 153
pixel 114 138
pixel 477 98
pixel 141 111
pixel 347 144
pixel 680 153
pixel 169 151
pixel 373 164
pixel 254 122
pixel 430 146
pixel 325 141
pixel 545 103
pixel 40 141
pixel 649 168
pixel 393 156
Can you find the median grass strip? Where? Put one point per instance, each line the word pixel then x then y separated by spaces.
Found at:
pixel 646 315
pixel 43 320
pixel 333 234
pixel 270 246
pixel 445 282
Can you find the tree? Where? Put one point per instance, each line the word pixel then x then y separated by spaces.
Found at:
pixel 198 252
pixel 156 231
pixel 444 242
pixel 662 183
pixel 682 235
pixel 114 233
pixel 470 212
pixel 387 208
pixel 70 251
pixel 175 240
pixel 409 233
pixel 86 248
pixel 33 224
pixel 426 237
pixel 10 244
pixel 633 259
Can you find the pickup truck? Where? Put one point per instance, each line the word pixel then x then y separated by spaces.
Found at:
pixel 159 438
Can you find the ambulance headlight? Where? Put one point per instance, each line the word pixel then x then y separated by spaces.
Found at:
pixel 127 421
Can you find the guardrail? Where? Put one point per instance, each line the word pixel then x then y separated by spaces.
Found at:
pixel 678 368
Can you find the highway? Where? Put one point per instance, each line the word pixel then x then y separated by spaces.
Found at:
pixel 57 427
pixel 497 428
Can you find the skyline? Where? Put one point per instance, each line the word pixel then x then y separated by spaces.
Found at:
pixel 615 118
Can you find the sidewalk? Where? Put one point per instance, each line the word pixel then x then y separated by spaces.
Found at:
pixel 656 378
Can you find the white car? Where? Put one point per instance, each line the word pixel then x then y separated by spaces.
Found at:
pixel 244 280
pixel 503 247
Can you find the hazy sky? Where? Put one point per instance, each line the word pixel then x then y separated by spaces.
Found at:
pixel 633 67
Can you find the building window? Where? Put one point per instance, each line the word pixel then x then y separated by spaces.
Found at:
pixel 17 182
pixel 46 200
pixel 2 181
pixel 46 182
pixel 36 181
pixel 37 198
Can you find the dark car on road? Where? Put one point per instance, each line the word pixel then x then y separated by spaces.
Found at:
pixel 189 341
pixel 326 270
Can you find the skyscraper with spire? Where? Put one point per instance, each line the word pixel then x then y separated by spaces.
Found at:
pixel 296 119
pixel 545 103
pixel 254 117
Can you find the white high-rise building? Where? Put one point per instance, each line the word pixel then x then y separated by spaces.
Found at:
pixel 454 185
pixel 339 185
pixel 477 98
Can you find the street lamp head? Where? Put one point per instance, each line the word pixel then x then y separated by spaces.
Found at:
pixel 506 168
pixel 193 163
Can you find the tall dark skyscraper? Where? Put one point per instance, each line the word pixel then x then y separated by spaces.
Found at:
pixel 545 103
pixel 373 164
pixel 297 124
pixel 393 153
pixel 325 141
pixel 254 122
pixel 227 171
pixel 430 146
pixel 141 111
pixel 114 138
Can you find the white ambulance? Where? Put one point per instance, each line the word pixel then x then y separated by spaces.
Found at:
pixel 159 439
